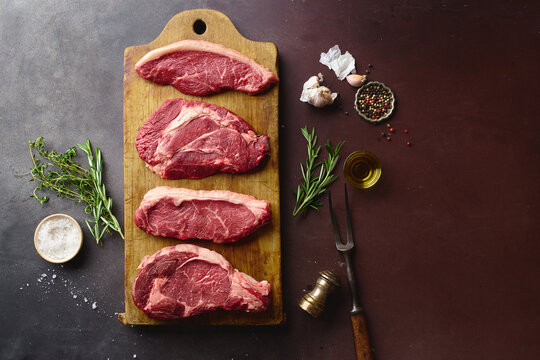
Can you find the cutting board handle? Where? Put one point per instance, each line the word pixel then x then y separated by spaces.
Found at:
pixel 199 24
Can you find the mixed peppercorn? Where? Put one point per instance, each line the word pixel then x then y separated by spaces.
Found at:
pixel 388 135
pixel 374 101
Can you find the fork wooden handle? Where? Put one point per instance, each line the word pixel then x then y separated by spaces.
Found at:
pixel 361 337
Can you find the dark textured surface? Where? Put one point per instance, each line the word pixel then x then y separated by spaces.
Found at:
pixel 447 252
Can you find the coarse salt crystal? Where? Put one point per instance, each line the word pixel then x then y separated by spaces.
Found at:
pixel 58 238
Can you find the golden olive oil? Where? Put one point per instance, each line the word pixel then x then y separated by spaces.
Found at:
pixel 362 169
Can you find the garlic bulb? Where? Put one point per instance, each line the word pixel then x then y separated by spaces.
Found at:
pixel 315 94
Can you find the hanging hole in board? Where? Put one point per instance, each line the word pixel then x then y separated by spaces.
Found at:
pixel 199 27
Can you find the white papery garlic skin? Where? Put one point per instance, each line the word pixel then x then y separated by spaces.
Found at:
pixel 342 64
pixel 315 94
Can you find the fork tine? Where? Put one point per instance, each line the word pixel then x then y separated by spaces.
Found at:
pixel 337 237
pixel 350 236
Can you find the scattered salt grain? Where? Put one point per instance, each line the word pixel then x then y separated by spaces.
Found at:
pixel 47 282
pixel 342 64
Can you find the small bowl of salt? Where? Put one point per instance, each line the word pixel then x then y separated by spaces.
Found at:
pixel 58 238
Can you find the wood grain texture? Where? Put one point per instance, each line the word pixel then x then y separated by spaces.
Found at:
pixel 362 343
pixel 258 255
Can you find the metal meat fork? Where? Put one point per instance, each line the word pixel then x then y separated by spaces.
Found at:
pixel 361 337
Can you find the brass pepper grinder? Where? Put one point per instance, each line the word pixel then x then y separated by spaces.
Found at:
pixel 314 301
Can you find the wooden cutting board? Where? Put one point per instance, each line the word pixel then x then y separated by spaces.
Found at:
pixel 258 255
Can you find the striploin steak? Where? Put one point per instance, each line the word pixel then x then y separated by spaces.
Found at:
pixel 186 280
pixel 186 139
pixel 218 215
pixel 202 68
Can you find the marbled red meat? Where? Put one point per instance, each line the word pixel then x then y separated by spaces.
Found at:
pixel 186 280
pixel 218 215
pixel 202 68
pixel 192 139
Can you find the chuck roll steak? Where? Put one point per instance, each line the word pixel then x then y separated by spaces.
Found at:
pixel 186 280
pixel 218 215
pixel 186 139
pixel 202 68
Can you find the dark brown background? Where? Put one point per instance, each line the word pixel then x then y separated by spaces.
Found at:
pixel 447 245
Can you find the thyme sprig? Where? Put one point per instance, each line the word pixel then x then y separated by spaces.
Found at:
pixel 314 186
pixel 58 172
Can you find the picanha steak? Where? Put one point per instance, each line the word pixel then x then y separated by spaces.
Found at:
pixel 218 215
pixel 186 280
pixel 202 68
pixel 192 139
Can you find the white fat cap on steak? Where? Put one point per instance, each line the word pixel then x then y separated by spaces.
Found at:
pixel 199 45
pixel 179 195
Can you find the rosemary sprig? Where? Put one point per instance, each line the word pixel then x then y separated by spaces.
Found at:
pixel 313 187
pixel 71 181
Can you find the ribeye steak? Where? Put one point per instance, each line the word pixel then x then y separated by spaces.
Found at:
pixel 218 215
pixel 192 139
pixel 202 68
pixel 185 280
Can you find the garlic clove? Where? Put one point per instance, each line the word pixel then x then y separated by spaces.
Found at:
pixel 356 80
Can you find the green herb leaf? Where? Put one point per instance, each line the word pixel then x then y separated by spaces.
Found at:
pixel 314 186
pixel 71 181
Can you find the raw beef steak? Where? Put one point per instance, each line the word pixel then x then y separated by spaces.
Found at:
pixel 185 280
pixel 218 215
pixel 202 68
pixel 192 139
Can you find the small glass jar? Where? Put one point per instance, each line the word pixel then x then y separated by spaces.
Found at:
pixel 362 169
